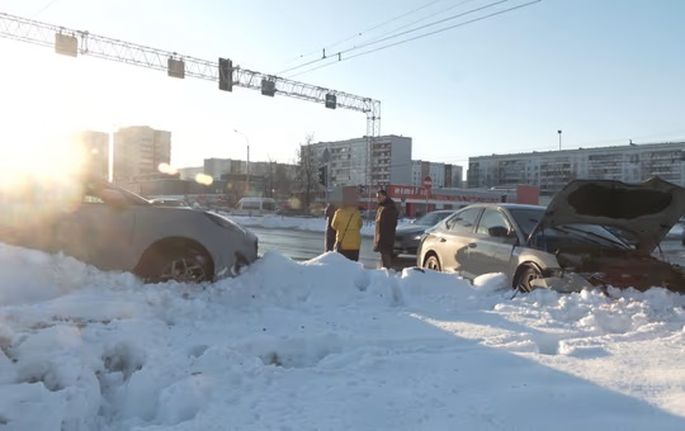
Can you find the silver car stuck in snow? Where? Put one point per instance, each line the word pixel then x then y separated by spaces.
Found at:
pixel 593 233
pixel 114 229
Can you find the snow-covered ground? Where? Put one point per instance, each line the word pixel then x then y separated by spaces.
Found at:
pixel 308 224
pixel 328 345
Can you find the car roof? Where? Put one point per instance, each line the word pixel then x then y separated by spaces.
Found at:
pixel 508 206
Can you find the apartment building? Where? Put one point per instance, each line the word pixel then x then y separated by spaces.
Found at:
pixel 442 175
pixel 138 151
pixel 377 161
pixel 551 170
pixel 94 146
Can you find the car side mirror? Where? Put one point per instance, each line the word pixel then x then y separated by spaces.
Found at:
pixel 499 232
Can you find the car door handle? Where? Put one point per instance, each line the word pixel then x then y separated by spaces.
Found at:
pixel 473 245
pixel 443 240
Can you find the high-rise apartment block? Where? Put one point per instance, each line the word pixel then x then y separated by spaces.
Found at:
pixel 138 151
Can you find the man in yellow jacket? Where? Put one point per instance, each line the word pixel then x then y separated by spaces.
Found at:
pixel 347 223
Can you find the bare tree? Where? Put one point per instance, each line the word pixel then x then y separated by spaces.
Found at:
pixel 307 171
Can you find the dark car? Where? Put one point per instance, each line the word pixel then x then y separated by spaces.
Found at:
pixel 407 238
pixel 169 203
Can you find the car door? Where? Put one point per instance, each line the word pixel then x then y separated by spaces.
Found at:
pixel 96 232
pixel 452 241
pixel 493 245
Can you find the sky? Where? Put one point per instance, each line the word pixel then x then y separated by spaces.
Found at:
pixel 603 72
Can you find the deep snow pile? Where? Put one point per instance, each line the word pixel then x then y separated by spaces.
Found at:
pixel 329 345
pixel 308 224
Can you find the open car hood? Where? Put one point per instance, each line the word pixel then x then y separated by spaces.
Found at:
pixel 647 210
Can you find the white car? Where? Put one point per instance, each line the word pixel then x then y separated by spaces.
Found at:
pixel 114 229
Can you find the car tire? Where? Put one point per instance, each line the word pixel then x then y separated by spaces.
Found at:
pixel 182 264
pixel 524 277
pixel 432 262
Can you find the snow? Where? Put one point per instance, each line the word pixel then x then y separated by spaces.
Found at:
pixel 329 345
pixel 676 232
pixel 307 224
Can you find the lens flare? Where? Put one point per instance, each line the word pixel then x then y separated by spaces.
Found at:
pixel 204 179
pixel 165 168
pixel 40 177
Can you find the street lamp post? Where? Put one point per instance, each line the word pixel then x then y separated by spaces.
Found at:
pixel 559 132
pixel 247 162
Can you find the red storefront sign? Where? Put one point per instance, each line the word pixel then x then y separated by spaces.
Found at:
pixel 419 193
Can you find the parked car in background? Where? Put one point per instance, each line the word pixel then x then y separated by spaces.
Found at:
pixel 593 233
pixel 250 206
pixel 407 237
pixel 169 202
pixel 114 229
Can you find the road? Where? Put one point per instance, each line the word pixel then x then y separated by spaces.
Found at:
pixel 301 245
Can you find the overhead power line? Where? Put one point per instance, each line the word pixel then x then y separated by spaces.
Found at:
pixel 421 36
pixel 339 54
pixel 44 8
pixel 411 23
pixel 363 32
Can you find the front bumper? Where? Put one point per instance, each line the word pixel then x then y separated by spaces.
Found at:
pixel 406 246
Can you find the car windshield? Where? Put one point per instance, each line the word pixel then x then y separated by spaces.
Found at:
pixel 169 203
pixel 527 218
pixel 131 197
pixel 431 219
pixel 587 234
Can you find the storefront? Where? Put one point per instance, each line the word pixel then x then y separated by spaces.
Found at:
pixel 415 201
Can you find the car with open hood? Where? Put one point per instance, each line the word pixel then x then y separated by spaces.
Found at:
pixel 114 229
pixel 593 233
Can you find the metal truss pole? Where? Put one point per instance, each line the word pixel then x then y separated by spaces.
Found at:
pixel 86 43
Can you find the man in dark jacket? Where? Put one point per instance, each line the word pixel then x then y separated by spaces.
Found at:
pixel 386 224
pixel 330 232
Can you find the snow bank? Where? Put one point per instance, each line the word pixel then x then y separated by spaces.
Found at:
pixel 326 344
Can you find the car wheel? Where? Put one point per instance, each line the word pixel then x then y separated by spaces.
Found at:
pixel 525 277
pixel 181 262
pixel 185 267
pixel 432 263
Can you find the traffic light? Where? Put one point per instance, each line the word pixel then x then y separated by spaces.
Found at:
pixel 331 101
pixel 323 175
pixel 225 74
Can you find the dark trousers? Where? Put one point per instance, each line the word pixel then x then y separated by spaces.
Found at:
pixel 330 240
pixel 350 254
pixel 386 259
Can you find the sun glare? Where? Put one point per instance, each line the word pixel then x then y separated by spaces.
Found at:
pixel 39 177
pixel 39 158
